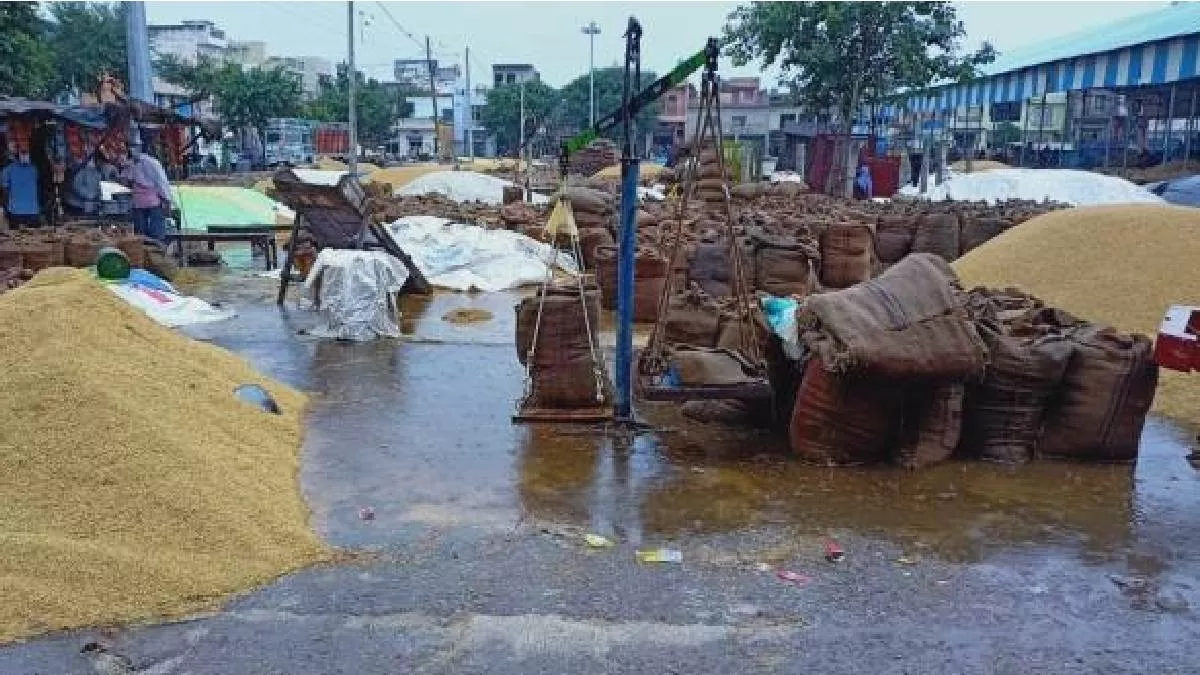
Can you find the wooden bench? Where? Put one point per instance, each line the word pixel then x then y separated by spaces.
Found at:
pixel 260 238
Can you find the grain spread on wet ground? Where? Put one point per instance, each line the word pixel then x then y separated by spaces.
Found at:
pixel 135 484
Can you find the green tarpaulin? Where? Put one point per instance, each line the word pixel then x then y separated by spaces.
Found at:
pixel 202 206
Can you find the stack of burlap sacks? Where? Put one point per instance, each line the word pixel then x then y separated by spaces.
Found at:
pixel 25 252
pixel 566 371
pixel 910 369
pixel 711 182
pixel 598 154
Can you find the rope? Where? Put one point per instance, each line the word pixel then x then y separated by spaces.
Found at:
pixel 653 360
pixel 598 372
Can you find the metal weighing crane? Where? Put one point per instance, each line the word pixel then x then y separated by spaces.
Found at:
pixel 632 101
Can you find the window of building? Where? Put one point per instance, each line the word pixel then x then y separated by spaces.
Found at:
pixel 739 121
pixel 1006 112
pixel 787 118
pixel 511 78
pixel 499 79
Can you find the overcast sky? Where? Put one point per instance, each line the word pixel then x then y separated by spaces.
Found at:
pixel 547 34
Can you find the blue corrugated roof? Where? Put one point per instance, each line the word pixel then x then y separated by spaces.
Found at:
pixel 1177 19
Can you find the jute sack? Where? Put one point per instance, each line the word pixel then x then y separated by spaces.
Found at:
pixel 1104 398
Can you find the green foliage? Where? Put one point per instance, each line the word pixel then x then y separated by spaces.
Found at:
pixel 26 62
pixel 378 105
pixel 840 54
pixel 502 115
pixel 609 88
pixel 242 98
pixel 88 40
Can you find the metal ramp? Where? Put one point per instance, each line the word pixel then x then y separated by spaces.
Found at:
pixel 338 215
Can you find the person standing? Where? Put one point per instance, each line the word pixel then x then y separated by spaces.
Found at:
pixel 19 180
pixel 151 193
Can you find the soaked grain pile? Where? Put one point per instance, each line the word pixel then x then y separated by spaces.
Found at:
pixel 1122 265
pixel 134 484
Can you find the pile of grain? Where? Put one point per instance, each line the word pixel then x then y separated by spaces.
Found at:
pixel 399 176
pixel 646 170
pixel 1122 265
pixel 135 484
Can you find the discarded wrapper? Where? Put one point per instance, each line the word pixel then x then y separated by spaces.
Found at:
pixel 833 551
pixel 597 541
pixel 660 555
pixel 366 513
pixel 794 578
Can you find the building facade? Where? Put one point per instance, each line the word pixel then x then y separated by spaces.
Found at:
pixel 308 68
pixel 188 40
pixel 514 73
pixel 749 115
pixel 415 73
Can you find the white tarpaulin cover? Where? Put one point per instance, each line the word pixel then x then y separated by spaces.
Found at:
pixel 1077 188
pixel 353 292
pixel 167 308
pixel 465 257
pixel 463 186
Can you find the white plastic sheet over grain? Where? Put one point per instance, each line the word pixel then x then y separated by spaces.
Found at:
pixel 1078 188
pixel 465 257
pixel 463 186
pixel 353 292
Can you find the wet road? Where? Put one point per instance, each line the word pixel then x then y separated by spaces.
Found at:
pixel 475 560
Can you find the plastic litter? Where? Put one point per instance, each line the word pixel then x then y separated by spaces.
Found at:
pixel 794 578
pixel 256 396
pixel 366 513
pixel 907 560
pixel 597 540
pixel 833 551
pixel 660 555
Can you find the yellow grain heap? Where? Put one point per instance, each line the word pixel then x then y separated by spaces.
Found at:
pixel 645 170
pixel 1121 265
pixel 134 483
pixel 399 176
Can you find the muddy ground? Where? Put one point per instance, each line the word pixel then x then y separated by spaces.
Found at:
pixel 475 562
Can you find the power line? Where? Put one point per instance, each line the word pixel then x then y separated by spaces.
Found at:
pixel 400 28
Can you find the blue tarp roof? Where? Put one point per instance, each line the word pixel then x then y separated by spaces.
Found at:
pixel 1175 20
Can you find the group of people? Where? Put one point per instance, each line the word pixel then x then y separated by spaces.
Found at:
pixel 21 195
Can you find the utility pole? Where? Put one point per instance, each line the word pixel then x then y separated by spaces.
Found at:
pixel 352 165
pixel 521 131
pixel 470 136
pixel 437 129
pixel 138 53
pixel 591 30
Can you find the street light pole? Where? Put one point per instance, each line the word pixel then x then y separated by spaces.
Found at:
pixel 352 108
pixel 591 30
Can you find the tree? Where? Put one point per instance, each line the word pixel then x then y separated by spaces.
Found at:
pixel 26 62
pixel 840 55
pixel 502 115
pixel 377 105
pixel 609 88
pixel 88 40
pixel 242 97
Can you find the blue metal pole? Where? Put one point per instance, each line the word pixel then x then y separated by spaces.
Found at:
pixel 626 251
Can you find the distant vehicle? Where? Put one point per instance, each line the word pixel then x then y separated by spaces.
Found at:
pixel 288 142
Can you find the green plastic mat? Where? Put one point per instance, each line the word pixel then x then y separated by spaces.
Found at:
pixel 203 205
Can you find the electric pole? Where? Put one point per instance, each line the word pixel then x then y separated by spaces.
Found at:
pixel 470 135
pixel 437 129
pixel 591 30
pixel 352 165
pixel 521 131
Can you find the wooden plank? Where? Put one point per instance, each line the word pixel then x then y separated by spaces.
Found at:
pixel 534 414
